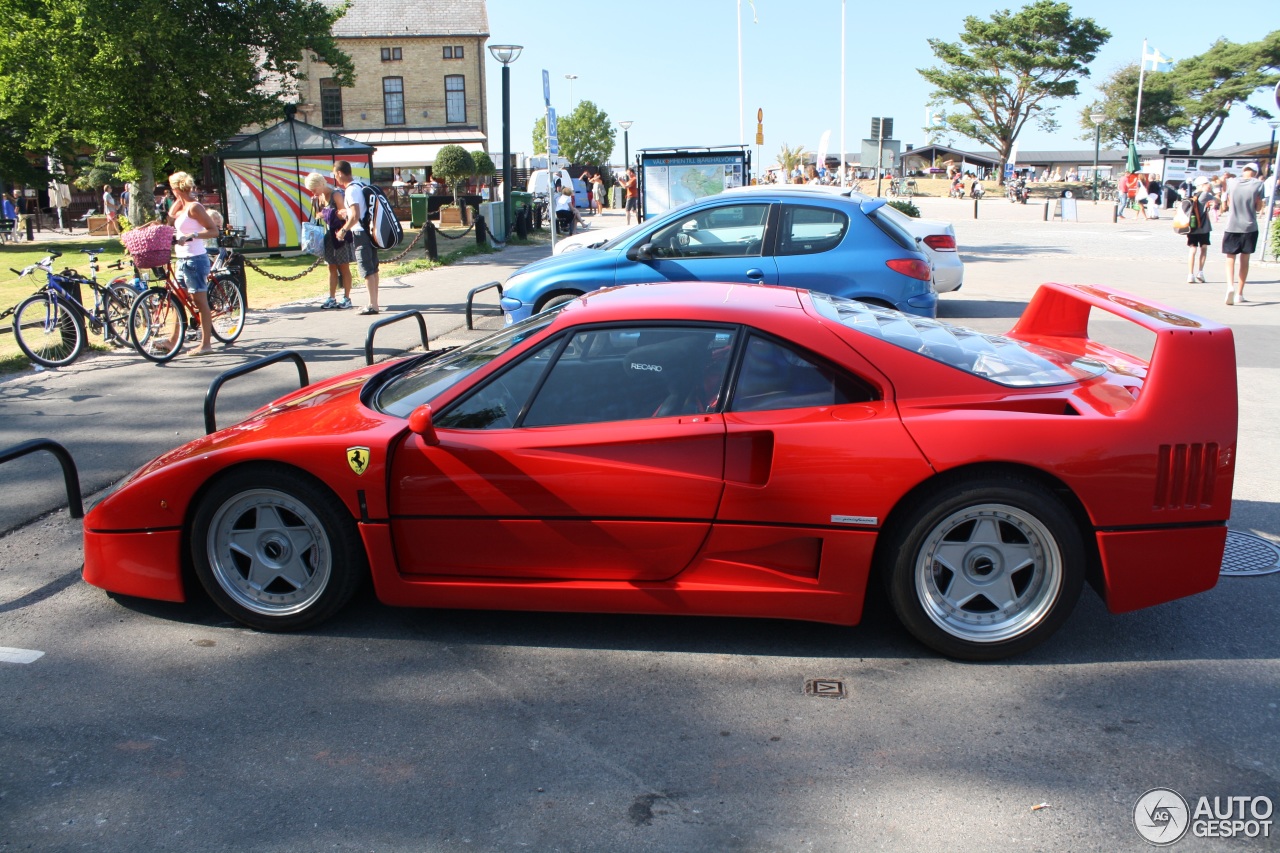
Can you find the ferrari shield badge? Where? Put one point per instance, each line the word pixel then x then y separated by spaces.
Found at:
pixel 358 459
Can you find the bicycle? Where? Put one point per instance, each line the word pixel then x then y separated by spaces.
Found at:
pixel 50 325
pixel 160 316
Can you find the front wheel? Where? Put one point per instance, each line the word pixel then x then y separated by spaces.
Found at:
pixel 157 325
pixel 117 299
pixel 226 307
pixel 275 549
pixel 985 569
pixel 48 332
pixel 555 299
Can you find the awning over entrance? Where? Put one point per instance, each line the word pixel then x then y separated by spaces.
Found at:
pixel 415 148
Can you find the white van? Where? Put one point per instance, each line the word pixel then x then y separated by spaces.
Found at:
pixel 539 186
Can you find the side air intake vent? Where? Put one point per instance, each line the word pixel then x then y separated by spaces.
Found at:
pixel 1185 475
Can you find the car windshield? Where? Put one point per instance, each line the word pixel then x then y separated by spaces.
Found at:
pixel 1004 360
pixel 424 383
pixel 625 235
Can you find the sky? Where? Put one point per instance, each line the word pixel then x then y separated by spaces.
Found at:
pixel 671 66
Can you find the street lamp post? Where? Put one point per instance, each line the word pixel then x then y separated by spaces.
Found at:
pixel 626 150
pixel 1275 182
pixel 571 78
pixel 1096 118
pixel 506 54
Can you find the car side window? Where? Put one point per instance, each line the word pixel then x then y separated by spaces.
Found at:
pixel 774 376
pixel 498 402
pixel 728 231
pixel 618 374
pixel 809 230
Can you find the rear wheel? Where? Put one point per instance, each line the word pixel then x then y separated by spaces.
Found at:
pixel 275 549
pixel 118 300
pixel 48 332
pixel 157 325
pixel 985 569
pixel 226 306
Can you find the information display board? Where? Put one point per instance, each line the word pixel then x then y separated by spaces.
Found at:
pixel 670 178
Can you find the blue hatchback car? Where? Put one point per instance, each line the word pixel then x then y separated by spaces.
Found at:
pixel 830 242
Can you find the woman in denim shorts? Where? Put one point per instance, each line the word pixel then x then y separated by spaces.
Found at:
pixel 194 226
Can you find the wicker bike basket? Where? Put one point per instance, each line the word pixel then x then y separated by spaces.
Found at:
pixel 150 245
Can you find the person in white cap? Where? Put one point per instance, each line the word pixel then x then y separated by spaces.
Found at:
pixel 1198 237
pixel 1241 201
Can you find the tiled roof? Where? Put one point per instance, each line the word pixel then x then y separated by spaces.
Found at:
pixel 370 18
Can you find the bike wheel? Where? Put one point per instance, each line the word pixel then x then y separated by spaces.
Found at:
pixel 117 300
pixel 226 308
pixel 157 325
pixel 49 333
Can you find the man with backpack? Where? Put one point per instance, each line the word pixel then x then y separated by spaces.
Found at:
pixel 366 254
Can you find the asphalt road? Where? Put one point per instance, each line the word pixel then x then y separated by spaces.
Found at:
pixel 164 727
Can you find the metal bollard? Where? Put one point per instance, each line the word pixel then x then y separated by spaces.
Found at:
pixel 1046 210
pixel 975 208
pixel 522 222
pixel 1115 213
pixel 433 252
pixel 481 233
pixel 30 233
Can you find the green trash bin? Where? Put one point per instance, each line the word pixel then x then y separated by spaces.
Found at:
pixel 518 200
pixel 417 210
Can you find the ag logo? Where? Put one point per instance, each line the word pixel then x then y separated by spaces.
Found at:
pixel 1161 816
pixel 358 459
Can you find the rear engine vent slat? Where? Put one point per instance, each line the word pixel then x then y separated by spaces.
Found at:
pixel 1185 475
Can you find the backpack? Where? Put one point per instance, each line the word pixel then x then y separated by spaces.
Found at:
pixel 1187 217
pixel 379 219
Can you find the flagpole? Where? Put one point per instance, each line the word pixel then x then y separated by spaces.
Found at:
pixel 842 79
pixel 1142 76
pixel 741 107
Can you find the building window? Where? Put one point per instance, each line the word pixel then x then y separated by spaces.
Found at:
pixel 454 52
pixel 455 98
pixel 391 54
pixel 393 99
pixel 330 103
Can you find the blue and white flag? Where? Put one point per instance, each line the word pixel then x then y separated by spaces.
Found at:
pixel 1154 60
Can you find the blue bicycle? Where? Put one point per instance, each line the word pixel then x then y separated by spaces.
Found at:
pixel 50 325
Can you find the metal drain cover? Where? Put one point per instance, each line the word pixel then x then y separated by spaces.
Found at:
pixel 825 688
pixel 1248 554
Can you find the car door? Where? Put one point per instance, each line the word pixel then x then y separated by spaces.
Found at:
pixel 723 242
pixel 591 459
pixel 810 443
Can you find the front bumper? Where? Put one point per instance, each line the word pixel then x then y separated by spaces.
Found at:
pixel 144 563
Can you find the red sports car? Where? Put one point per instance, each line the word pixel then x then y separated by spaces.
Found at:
pixel 727 450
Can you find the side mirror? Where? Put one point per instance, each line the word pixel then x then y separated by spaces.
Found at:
pixel 420 424
pixel 643 252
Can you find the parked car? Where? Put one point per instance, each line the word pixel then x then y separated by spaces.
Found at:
pixel 935 237
pixel 716 449
pixel 838 244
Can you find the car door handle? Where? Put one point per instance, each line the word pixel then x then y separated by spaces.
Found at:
pixel 755 274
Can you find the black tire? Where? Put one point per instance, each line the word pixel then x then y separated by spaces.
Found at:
pixel 48 332
pixel 984 569
pixel 275 549
pixel 555 299
pixel 226 306
pixel 118 302
pixel 157 325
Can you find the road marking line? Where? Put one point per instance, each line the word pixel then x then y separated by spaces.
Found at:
pixel 8 655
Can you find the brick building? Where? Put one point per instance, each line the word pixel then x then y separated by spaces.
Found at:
pixel 420 81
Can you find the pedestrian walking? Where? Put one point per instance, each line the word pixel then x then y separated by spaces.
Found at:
pixel 632 186
pixel 112 209
pixel 366 254
pixel 597 192
pixel 328 207
pixel 1242 202
pixel 1198 237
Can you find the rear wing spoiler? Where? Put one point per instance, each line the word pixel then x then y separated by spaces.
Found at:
pixel 1193 364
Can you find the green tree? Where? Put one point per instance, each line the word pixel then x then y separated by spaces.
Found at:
pixel 150 80
pixel 454 165
pixel 586 135
pixel 1120 99
pixel 1207 87
pixel 1007 70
